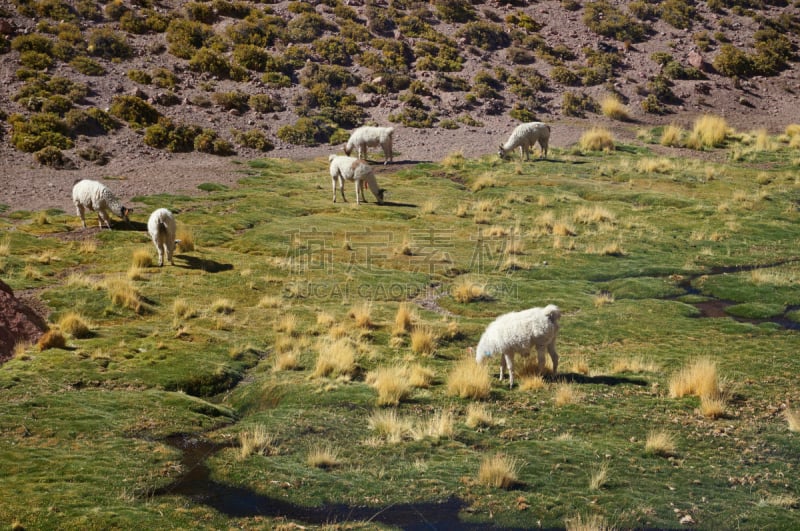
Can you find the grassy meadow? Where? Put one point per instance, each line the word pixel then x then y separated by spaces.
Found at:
pixel 316 351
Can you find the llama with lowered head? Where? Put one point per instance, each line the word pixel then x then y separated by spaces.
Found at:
pixel 161 227
pixel 517 333
pixel 369 136
pixel 344 168
pixel 97 197
pixel 524 137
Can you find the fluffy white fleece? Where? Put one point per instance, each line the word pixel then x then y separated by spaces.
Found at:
pixel 369 136
pixel 517 333
pixel 97 197
pixel 524 137
pixel 161 227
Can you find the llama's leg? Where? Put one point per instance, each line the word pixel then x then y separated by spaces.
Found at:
pixel 543 145
pixel 171 251
pixel 333 185
pixel 510 366
pixel 358 192
pixel 540 358
pixel 102 216
pixel 551 348
pixel 81 213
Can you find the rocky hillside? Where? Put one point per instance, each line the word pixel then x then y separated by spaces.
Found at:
pixel 89 81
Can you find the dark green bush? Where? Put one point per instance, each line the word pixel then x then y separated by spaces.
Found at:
pixel 577 104
pixel 170 136
pixel 264 103
pixel 306 132
pixel 644 10
pixel 651 105
pixel 89 122
pixel 137 112
pixel 185 37
pixel 733 62
pixel 156 22
pixel 253 139
pixel 88 10
pixel 306 27
pixel 200 11
pixel 94 154
pixel 251 56
pixel 258 32
pixel 675 70
pixel 210 61
pixel 522 114
pixel 335 50
pixel 133 23
pixel 379 20
pixel 43 86
pixel 524 21
pixel 115 9
pixel 438 57
pixel 207 141
pixel 231 9
pixel 564 76
pixel 454 10
pixel 53 157
pixel 485 35
pixel 231 100
pixel 57 104
pixel 661 87
pixel 55 9
pixel 35 132
pixel 334 76
pixel 140 76
pixel 32 43
pixel 163 78
pixel 414 117
pixel 678 13
pixel 104 42
pixel 276 79
pixel 520 56
pixel 87 66
pixel 35 60
pixel 450 83
pixel 605 19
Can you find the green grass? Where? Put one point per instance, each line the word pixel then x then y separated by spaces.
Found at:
pixel 84 429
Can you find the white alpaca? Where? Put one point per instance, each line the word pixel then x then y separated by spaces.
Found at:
pixel 525 136
pixel 161 227
pixel 368 136
pixel 517 333
pixel 97 197
pixel 352 169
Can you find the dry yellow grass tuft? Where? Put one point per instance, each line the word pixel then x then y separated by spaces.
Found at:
pixel 634 365
pixel 712 407
pixel 478 416
pixel 403 319
pixel 566 394
pixel 660 442
pixel 361 313
pixel 270 301
pixel 420 376
pixel 533 382
pixel 466 290
pixel 594 522
pixel 286 361
pixel 335 358
pixel 323 456
pixel 699 379
pixel 484 181
pixel 142 258
pixel 708 132
pixel 5 246
pixel 580 365
pixel 564 228
pixel 454 160
pixel 185 238
pixel 612 108
pixel 182 310
pixel 123 293
pixel 423 340
pixel 793 419
pixel 655 165
pixel 429 207
pixel 597 139
pixel 599 477
pixel 392 384
pixel 792 130
pixel 136 273
pixel 287 324
pixel 257 440
pixel 74 324
pixel 222 305
pixel 389 425
pixel 595 214
pixel 498 471
pixel 602 299
pixel 437 426
pixel 672 136
pixel 763 142
pixel 469 379
pixel 51 339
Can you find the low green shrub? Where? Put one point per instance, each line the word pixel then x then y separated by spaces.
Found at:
pixel 306 131
pixel 251 57
pixel 207 141
pixel 211 62
pixel 134 110
pixel 231 9
pixel 163 78
pixel 133 23
pixel 115 9
pixel 264 103
pixel 87 66
pixel 94 154
pixel 185 37
pixel 171 136
pixel 414 117
pixel 35 132
pixel 678 13
pixel 263 31
pixel 89 122
pixel 56 104
pixel 32 43
pixel 253 139
pixel 35 60
pixel 457 11
pixel 522 114
pixel 105 42
pixel 140 76
pixel 231 100
pixel 578 104
pixel 200 12
pixel 485 35
pixel 336 50
pixel 564 76
pixel 53 157
pixel 306 27
pixel 604 19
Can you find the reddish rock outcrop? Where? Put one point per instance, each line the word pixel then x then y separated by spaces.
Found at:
pixel 18 322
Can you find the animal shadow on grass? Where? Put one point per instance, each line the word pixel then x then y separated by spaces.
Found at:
pixel 603 380
pixel 138 226
pixel 209 266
